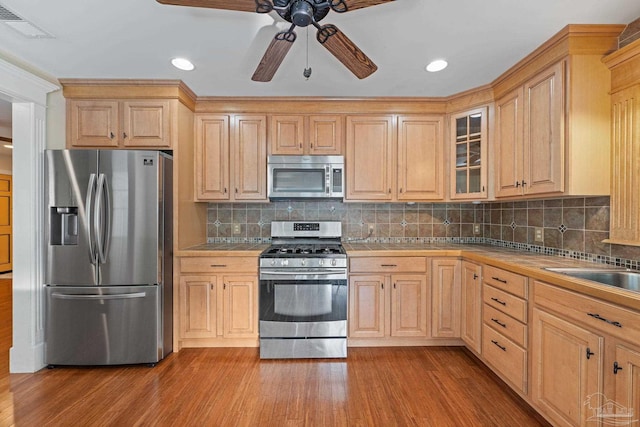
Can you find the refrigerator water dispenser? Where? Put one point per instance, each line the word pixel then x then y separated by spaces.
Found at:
pixel 63 223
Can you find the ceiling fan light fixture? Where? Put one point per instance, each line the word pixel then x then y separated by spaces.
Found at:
pixel 437 65
pixel 182 64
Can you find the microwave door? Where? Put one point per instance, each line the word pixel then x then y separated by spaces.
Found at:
pixel 298 181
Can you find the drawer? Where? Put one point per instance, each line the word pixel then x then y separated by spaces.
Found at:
pixel 409 264
pixel 505 280
pixel 505 357
pixel 612 319
pixel 506 325
pixel 504 302
pixel 219 264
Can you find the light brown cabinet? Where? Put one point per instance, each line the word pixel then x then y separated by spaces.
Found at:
pixel 120 123
pixel 504 328
pixel 469 154
pixel 445 298
pixel 218 301
pixel 551 130
pixel 585 357
pixel 302 135
pixel 471 305
pixel 625 145
pixel 231 157
pixel 392 303
pixel 395 158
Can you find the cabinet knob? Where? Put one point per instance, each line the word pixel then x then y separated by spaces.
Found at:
pixel 589 353
pixel 111 135
pixel 301 145
pixel 389 191
pixel 524 182
pixel 401 190
pixel 616 368
pixel 381 285
pixel 475 276
pixel 124 134
pixel 225 190
pixel 517 184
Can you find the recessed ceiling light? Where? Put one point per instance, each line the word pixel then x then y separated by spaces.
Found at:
pixel 182 64
pixel 437 65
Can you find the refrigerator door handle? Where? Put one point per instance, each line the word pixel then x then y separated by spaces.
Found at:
pixel 91 187
pixel 102 223
pixel 98 297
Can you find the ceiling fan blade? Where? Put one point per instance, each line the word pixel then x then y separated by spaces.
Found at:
pixel 241 5
pixel 349 5
pixel 346 51
pixel 274 55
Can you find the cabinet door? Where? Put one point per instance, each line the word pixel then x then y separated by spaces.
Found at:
pixel 286 135
pixel 366 306
pixel 544 132
pixel 626 401
pixel 566 378
pixel 468 171
pixel 198 306
pixel 471 304
pixel 445 298
pixel 409 305
pixel 420 158
pixel 146 124
pixel 369 158
pixel 240 307
pixel 325 135
pixel 93 124
pixel 625 154
pixel 212 157
pixel 508 139
pixel 249 158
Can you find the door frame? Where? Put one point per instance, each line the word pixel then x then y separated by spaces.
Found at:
pixel 28 94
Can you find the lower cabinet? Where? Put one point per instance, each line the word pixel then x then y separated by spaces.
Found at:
pixel 585 359
pixel 445 298
pixel 218 309
pixel 471 305
pixel 392 302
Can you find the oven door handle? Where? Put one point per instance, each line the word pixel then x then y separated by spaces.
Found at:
pixel 303 275
pixel 292 272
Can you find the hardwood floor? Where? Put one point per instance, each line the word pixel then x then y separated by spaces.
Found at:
pixel 408 386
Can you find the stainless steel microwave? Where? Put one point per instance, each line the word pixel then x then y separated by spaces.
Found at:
pixel 305 177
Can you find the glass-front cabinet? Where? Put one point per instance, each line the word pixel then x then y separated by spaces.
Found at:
pixel 469 155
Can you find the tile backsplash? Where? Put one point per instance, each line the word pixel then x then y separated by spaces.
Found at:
pixel 573 227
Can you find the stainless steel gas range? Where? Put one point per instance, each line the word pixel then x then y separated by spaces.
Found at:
pixel 303 291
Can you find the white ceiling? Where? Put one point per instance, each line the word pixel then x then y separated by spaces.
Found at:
pixel 137 38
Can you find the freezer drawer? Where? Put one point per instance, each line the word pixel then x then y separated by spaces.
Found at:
pixel 114 325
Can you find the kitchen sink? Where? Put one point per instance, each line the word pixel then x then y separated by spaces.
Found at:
pixel 625 279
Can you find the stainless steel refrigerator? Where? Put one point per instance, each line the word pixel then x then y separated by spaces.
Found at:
pixel 109 267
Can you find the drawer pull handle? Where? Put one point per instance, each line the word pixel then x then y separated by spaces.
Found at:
pixel 218 265
pixel 498 301
pixel 499 279
pixel 499 346
pixel 388 265
pixel 504 325
pixel 611 322
pixel 616 368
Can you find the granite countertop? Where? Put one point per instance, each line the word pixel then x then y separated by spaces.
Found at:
pixel 526 263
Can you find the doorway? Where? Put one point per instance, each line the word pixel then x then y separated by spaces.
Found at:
pixel 6 240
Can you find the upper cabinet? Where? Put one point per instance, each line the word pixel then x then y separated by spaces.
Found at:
pixel 395 158
pixel 231 157
pixel 469 144
pixel 552 114
pixel 306 135
pixel 625 147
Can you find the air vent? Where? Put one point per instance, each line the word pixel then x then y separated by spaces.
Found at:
pixel 22 26
pixel 7 15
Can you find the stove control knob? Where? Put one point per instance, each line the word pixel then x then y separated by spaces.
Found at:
pixel 303 262
pixel 285 262
pixel 321 262
pixel 333 262
pixel 273 262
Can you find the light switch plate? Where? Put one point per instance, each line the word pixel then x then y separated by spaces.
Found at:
pixel 476 228
pixel 539 234
pixel 236 228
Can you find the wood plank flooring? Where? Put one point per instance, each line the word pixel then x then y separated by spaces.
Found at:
pixel 407 386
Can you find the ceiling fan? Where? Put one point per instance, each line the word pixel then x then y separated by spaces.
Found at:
pixel 300 13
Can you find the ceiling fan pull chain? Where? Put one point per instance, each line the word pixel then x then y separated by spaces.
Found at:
pixel 307 70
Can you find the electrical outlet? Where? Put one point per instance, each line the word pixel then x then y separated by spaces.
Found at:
pixel 236 229
pixel 476 228
pixel 539 234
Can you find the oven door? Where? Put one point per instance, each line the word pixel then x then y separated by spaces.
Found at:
pixel 292 308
